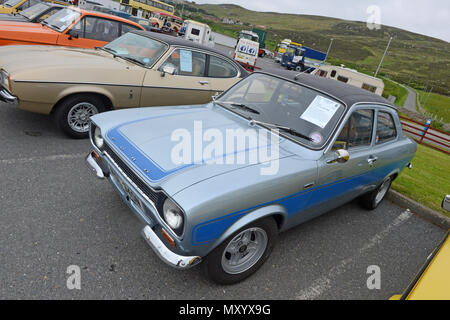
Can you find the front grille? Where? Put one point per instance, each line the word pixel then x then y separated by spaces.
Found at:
pixel 157 197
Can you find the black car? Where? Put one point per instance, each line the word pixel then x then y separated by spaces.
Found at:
pixel 35 13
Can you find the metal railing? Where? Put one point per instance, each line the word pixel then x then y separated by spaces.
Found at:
pixel 425 134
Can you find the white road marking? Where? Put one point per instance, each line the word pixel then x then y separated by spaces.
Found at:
pixel 44 158
pixel 324 283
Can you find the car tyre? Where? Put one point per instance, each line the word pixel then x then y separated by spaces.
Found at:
pixel 248 248
pixel 72 114
pixel 372 200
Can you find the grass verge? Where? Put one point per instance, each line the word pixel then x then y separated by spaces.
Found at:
pixel 437 105
pixel 428 182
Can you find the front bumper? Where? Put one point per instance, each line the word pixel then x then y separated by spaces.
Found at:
pixel 5 96
pixel 164 253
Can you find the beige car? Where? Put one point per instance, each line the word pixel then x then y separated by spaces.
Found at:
pixel 139 69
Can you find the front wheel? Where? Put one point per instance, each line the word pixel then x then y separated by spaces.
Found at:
pixel 242 253
pixel 372 199
pixel 73 113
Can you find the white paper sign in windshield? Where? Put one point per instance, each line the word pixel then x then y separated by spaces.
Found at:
pixel 320 111
pixel 186 60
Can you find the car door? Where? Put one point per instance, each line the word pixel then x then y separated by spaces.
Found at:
pixel 187 84
pixel 90 32
pixel 222 74
pixel 338 182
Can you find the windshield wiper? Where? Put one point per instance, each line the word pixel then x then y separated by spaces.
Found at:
pixel 243 107
pixel 282 128
pixel 133 60
pixel 109 50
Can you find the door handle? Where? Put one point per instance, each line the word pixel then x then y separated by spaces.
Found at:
pixel 372 160
pixel 203 82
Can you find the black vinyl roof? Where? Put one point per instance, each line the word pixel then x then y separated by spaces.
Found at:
pixel 346 93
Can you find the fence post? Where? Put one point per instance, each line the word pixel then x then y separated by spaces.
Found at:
pixel 425 130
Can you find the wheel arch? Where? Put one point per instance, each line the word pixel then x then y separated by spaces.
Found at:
pixel 70 92
pixel 276 211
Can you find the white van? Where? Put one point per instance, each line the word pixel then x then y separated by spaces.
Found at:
pixel 247 48
pixel 197 32
pixel 351 77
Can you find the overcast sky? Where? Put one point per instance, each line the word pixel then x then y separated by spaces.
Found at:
pixel 429 17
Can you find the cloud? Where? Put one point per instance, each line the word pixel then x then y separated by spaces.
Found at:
pixel 431 17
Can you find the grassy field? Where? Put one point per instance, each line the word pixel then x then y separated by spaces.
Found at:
pixel 437 105
pixel 413 58
pixel 393 89
pixel 428 182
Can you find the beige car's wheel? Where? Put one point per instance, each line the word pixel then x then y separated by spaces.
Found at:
pixel 72 114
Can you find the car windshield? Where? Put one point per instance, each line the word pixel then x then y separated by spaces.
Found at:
pixel 31 12
pixel 11 3
pixel 310 116
pixel 138 49
pixel 61 20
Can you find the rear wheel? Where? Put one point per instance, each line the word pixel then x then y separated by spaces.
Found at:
pixel 372 199
pixel 242 253
pixel 73 113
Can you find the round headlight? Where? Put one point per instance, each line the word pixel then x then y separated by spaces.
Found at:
pixel 172 214
pixel 98 139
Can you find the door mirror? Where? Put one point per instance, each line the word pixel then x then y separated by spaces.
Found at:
pixel 340 156
pixel 446 203
pixel 72 34
pixel 167 69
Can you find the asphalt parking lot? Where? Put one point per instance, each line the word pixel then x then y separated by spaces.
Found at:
pixel 55 214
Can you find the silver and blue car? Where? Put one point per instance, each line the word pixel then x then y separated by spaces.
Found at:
pixel 215 183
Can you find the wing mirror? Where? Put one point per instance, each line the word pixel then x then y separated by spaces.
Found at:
pixel 340 156
pixel 72 35
pixel 446 203
pixel 167 69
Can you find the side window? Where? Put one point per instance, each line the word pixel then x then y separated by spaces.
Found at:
pixel 333 73
pixel 342 79
pixel 78 29
pixel 368 87
pixel 127 28
pixel 101 29
pixel 386 130
pixel 357 132
pixel 187 63
pixel 219 68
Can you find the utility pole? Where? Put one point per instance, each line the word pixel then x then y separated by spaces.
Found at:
pixel 428 97
pixel 182 10
pixel 384 55
pixel 329 48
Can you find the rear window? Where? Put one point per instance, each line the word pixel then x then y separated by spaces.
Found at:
pixel 386 130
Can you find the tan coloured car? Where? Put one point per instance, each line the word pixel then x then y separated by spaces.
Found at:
pixel 139 69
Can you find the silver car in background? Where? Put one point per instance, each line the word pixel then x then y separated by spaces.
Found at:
pixel 335 143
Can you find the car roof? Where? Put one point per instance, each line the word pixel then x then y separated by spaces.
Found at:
pixel 347 93
pixel 177 41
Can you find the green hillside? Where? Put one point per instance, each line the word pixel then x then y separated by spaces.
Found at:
pixel 413 59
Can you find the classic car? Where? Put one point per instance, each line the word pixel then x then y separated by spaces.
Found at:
pixel 36 13
pixel 68 27
pixel 137 69
pixel 15 6
pixel 432 281
pixel 329 144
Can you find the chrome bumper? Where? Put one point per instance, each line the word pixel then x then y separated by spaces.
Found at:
pixel 169 257
pixel 93 165
pixel 5 96
pixel 164 253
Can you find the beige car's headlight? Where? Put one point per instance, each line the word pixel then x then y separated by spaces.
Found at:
pixel 4 79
